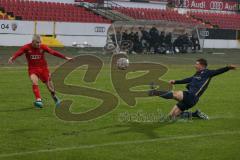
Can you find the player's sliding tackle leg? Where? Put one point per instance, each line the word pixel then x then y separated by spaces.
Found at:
pixel 176 112
pixel 51 89
pixel 163 94
pixel 36 92
pixel 177 95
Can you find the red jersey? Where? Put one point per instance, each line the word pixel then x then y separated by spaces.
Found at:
pixel 36 56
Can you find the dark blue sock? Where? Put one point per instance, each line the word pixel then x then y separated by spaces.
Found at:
pixel 166 94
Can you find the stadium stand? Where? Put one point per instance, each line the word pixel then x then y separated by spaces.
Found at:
pixel 63 12
pixel 219 20
pixel 49 11
pixel 158 14
pixel 210 20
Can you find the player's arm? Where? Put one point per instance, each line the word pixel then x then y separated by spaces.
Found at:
pixel 216 72
pixel 183 81
pixel 55 53
pixel 16 54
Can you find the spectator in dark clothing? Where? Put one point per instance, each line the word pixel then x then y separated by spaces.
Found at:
pixel 137 46
pixel 136 37
pixel 125 36
pixel 195 43
pixel 168 42
pixel 177 44
pixel 162 38
pixel 131 36
pixel 154 38
pixel 186 43
pixel 145 39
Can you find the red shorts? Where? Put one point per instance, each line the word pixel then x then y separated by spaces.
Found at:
pixel 42 73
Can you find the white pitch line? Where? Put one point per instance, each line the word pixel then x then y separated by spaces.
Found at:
pixel 218 53
pixel 223 117
pixel 118 143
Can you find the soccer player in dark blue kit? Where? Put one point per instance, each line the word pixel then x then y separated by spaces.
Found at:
pixel 196 86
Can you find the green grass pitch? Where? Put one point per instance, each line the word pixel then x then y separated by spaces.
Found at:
pixel 27 133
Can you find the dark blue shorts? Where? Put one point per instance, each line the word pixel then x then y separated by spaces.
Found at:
pixel 189 100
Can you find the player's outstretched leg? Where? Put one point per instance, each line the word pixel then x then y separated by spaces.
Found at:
pixel 177 95
pixel 38 103
pixel 53 93
pixel 164 94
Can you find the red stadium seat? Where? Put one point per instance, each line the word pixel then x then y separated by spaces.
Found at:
pixel 231 21
pixel 49 11
pixel 225 21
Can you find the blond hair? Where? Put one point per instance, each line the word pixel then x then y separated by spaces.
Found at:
pixel 36 37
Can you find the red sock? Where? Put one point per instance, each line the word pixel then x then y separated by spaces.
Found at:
pixel 36 91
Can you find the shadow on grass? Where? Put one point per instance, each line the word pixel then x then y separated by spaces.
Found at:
pixel 144 128
pixel 18 110
pixel 21 131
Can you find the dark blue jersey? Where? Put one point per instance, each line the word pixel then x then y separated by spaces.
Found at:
pixel 199 82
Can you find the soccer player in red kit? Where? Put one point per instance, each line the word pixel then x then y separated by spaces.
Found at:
pixel 38 68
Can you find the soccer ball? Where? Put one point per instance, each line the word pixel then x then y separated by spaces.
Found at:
pixel 122 63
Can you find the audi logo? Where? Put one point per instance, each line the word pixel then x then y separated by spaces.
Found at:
pixel 204 33
pixel 100 29
pixel 216 5
pixel 186 4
